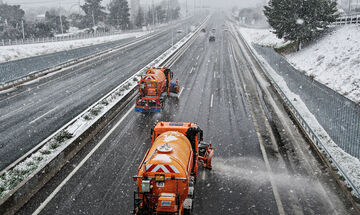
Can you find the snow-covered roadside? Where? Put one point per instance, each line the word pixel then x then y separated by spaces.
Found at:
pixel 9 53
pixel 333 60
pixel 262 37
pixel 349 164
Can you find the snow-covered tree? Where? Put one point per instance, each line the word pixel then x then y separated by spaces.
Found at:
pixel 150 16
pixel 11 18
pixel 11 15
pixel 94 12
pixel 54 22
pixel 300 20
pixel 119 16
pixel 139 19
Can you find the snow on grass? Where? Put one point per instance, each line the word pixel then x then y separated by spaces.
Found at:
pixel 9 53
pixel 263 37
pixel 333 60
pixel 13 177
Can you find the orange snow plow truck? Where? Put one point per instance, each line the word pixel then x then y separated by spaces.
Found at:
pixel 153 88
pixel 167 173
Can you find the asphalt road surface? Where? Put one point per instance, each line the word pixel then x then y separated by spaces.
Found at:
pixel 18 68
pixel 256 170
pixel 33 111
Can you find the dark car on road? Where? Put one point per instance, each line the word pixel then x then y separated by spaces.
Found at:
pixel 212 38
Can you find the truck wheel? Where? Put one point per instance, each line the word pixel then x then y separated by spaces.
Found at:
pixel 187 212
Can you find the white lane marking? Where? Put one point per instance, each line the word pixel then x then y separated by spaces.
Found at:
pixel 42 116
pixel 263 152
pixel 192 69
pixel 272 182
pixel 214 75
pixel 212 99
pixel 181 91
pixel 16 110
pixel 203 177
pixel 99 82
pixel 52 195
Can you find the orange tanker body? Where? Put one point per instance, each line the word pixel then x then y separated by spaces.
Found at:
pixel 153 89
pixel 167 173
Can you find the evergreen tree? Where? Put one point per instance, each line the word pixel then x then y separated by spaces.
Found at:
pixel 77 20
pixel 93 12
pixel 54 22
pixel 174 13
pixel 150 16
pixel 11 15
pixel 119 16
pixel 300 20
pixel 160 14
pixel 42 30
pixel 11 18
pixel 139 19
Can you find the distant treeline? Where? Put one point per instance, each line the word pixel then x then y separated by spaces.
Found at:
pixel 94 18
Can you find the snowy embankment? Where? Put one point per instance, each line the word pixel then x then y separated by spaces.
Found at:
pixel 262 37
pixel 333 60
pixel 340 60
pixel 9 53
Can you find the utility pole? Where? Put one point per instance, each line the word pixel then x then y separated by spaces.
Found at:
pixel 61 24
pixel 153 12
pixel 202 6
pixel 168 11
pixel 349 6
pixel 23 30
pixel 156 16
pixel 93 18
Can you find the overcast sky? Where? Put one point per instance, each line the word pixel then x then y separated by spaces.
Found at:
pixel 73 4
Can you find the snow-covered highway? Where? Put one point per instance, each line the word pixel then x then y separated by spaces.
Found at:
pixel 262 163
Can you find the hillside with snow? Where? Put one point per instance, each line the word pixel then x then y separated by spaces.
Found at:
pixel 333 60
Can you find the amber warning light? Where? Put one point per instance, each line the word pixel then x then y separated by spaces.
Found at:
pixel 159 178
